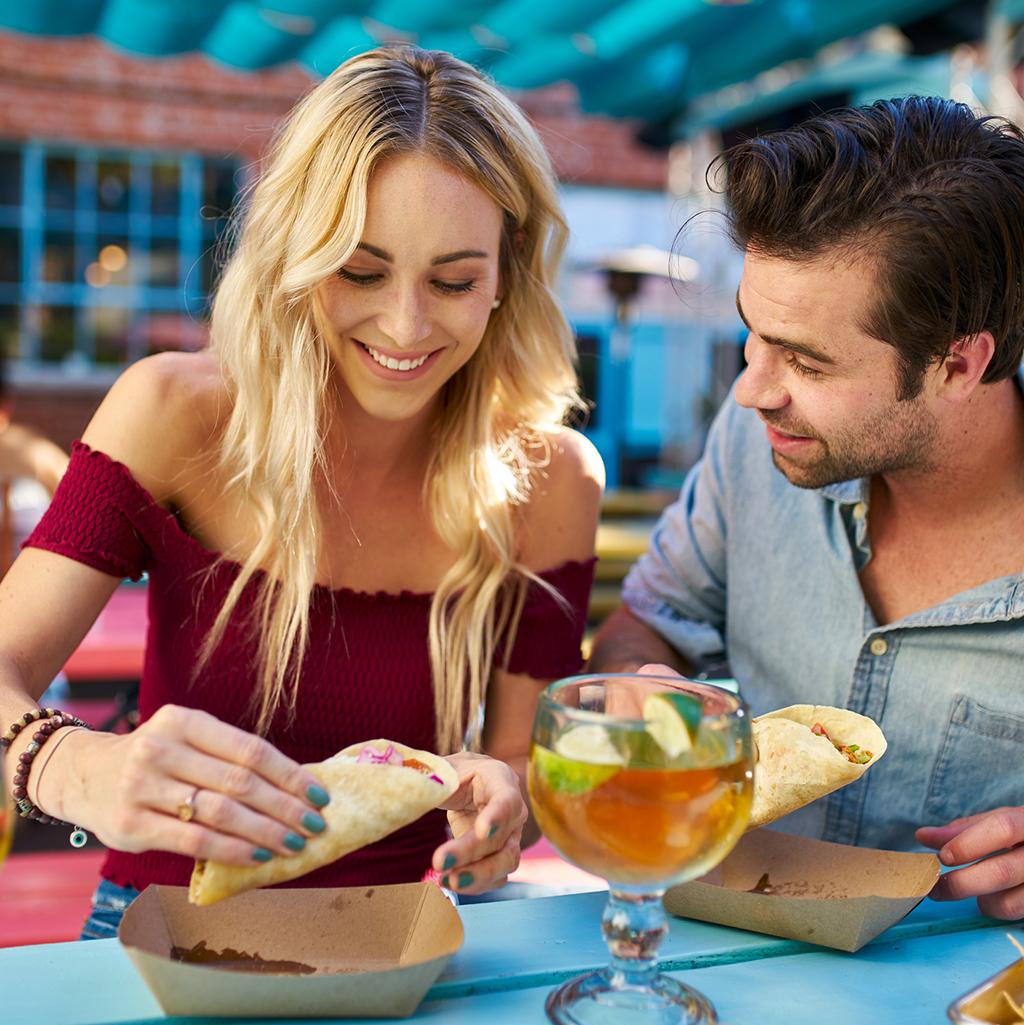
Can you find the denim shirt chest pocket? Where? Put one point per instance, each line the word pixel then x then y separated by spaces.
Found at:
pixel 980 762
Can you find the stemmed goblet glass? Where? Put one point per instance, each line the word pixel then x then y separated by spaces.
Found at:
pixel 645 781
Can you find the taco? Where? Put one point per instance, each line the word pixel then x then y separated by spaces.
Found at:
pixel 805 752
pixel 376 787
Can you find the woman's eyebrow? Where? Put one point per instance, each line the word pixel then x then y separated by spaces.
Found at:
pixel 461 254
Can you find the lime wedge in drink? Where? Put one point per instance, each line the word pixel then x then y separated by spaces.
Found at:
pixel 589 743
pixel 584 758
pixel 673 719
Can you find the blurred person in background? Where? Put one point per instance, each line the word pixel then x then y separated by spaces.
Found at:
pixel 31 467
pixel 359 512
pixel 854 534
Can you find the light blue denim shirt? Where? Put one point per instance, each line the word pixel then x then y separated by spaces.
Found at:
pixel 748 567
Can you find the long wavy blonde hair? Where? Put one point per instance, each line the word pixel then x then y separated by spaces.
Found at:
pixel 302 221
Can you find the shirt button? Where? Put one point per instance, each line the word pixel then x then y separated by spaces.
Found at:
pixel 859 511
pixel 878 646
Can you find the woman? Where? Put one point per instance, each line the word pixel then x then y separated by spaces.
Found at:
pixel 359 513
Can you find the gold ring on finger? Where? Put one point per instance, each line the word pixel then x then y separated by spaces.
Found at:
pixel 187 809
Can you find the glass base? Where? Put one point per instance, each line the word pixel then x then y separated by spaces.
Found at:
pixel 595 999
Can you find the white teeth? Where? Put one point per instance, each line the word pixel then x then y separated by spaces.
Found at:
pixel 393 364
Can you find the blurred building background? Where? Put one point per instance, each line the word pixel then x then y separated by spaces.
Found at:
pixel 126 131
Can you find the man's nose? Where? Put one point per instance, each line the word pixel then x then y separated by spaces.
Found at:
pixel 405 318
pixel 760 385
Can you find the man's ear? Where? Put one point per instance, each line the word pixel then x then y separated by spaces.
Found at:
pixel 961 371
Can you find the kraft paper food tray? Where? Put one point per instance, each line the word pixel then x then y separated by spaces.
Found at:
pixel 985 1004
pixel 374 951
pixel 825 893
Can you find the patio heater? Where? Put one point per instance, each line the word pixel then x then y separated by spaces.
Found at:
pixel 625 271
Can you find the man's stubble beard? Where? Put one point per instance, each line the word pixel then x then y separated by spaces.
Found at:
pixel 897 439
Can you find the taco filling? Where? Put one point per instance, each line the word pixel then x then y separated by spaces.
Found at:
pixel 852 752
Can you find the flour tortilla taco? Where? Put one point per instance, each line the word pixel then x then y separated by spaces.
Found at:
pixel 805 752
pixel 376 787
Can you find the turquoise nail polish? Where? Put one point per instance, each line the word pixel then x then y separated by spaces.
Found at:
pixel 294 842
pixel 492 832
pixel 318 795
pixel 465 879
pixel 449 862
pixel 313 822
pixel 261 854
pixel 446 882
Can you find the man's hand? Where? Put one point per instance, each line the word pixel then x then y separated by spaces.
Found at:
pixel 994 841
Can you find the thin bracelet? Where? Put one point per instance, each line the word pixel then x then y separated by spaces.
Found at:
pixel 51 751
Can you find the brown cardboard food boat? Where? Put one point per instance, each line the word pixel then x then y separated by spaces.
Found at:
pixel 830 894
pixel 332 953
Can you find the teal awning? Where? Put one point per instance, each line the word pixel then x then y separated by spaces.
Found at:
pixel 865 77
pixel 648 59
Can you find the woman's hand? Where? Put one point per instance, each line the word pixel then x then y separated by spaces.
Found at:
pixel 486 815
pixel 188 783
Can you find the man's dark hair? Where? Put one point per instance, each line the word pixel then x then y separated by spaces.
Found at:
pixel 926 190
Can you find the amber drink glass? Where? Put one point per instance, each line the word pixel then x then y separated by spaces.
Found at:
pixel 645 781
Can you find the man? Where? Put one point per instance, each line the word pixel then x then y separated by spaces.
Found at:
pixel 854 534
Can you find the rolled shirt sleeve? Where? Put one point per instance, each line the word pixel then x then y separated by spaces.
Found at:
pixel 678 586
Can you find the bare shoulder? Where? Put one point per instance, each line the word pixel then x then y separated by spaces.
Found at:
pixel 560 520
pixel 161 415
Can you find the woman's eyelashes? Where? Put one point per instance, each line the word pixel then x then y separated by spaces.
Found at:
pixel 359 279
pixel 445 287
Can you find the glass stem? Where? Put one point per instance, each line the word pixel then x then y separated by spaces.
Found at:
pixel 634 924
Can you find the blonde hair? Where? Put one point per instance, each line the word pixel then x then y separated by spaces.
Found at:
pixel 303 220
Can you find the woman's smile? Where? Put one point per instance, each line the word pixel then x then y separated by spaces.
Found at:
pixel 397 366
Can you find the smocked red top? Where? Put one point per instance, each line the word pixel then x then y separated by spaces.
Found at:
pixel 366 672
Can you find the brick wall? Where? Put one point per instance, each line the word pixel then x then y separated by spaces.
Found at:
pixel 80 90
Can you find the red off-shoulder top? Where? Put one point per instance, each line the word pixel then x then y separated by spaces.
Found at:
pixel 366 672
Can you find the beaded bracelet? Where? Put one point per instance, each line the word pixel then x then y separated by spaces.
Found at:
pixel 52 720
pixel 26 720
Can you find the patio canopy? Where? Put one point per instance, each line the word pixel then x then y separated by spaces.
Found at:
pixel 650 59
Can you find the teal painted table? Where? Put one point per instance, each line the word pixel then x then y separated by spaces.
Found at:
pixel 515 951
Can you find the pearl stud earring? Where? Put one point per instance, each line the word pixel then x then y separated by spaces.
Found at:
pixel 495 304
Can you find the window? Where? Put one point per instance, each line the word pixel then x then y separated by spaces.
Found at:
pixel 9 332
pixel 10 178
pixel 10 254
pixel 60 183
pixel 56 333
pixel 588 346
pixel 107 256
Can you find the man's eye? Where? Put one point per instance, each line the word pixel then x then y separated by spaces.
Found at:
pixel 801 368
pixel 358 279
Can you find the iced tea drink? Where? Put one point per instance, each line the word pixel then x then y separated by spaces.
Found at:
pixel 645 781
